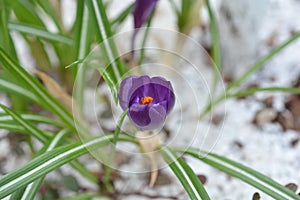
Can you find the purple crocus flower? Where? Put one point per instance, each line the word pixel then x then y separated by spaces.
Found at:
pixel 149 100
pixel 142 11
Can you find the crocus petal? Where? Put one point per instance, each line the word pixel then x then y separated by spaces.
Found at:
pixel 158 88
pixel 139 115
pixel 142 11
pixel 128 86
pixel 161 81
pixel 158 116
pixel 166 95
pixel 146 117
pixel 125 89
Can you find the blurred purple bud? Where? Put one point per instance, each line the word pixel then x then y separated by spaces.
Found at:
pixel 142 11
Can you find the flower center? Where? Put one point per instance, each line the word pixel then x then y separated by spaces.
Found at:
pixel 146 100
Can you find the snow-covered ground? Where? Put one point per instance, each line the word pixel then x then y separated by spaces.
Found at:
pixel 258 26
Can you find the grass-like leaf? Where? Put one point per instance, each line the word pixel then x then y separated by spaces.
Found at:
pixel 260 63
pixel 6 42
pixel 39 32
pixel 50 161
pixel 35 87
pixel 37 133
pixel 83 37
pixel 186 175
pixel 5 118
pixel 30 191
pixel 215 45
pixel 114 68
pixel 256 66
pixel 82 44
pixel 246 174
pixel 81 168
pixel 5 37
pixel 249 92
pixel 189 15
pixel 7 122
pixel 13 127
pixel 47 7
pixel 12 87
pixel 113 150
pixel 267 89
pixel 17 195
pixel 122 16
pixel 145 37
pixel 215 39
pixel 26 12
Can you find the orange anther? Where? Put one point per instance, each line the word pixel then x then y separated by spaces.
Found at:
pixel 146 100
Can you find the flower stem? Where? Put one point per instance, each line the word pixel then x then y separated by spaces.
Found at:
pixel 107 180
pixel 142 55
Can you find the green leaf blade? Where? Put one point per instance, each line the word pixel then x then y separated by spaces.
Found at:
pixel 267 89
pixel 114 69
pixel 30 191
pixel 186 176
pixel 35 87
pixel 6 41
pixel 39 32
pixel 50 161
pixel 246 174
pixel 82 44
pixel 37 133
pixel 261 62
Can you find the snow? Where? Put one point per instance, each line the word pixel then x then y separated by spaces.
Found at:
pixel 266 149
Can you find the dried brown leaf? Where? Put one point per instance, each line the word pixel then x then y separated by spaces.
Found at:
pixel 55 89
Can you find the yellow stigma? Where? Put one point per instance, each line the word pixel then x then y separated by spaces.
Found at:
pixel 146 100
